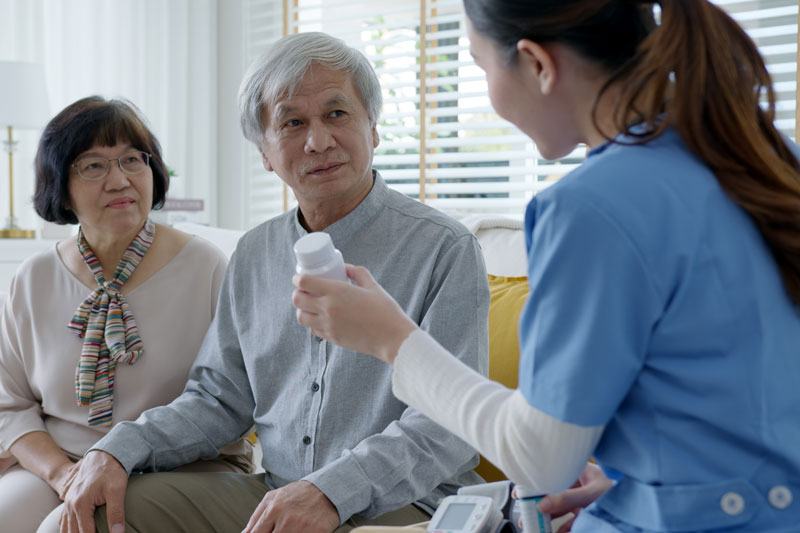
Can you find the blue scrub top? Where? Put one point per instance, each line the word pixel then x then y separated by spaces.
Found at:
pixel 657 310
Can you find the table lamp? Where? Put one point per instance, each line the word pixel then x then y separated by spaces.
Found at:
pixel 23 104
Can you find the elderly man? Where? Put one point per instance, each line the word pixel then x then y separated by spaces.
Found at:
pixel 338 449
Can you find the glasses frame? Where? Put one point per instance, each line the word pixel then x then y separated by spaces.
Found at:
pixel 147 158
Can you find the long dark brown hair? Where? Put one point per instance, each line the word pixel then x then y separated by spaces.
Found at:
pixel 697 72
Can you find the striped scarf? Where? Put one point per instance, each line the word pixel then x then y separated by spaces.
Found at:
pixel 105 322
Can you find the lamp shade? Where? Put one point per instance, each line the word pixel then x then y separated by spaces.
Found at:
pixel 23 95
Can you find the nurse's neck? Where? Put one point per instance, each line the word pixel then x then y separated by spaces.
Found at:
pixel 597 124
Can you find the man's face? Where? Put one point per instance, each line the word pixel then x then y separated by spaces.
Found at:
pixel 320 141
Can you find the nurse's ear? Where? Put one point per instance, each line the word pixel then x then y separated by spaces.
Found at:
pixel 537 62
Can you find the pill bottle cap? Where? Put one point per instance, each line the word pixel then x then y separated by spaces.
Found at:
pixel 314 250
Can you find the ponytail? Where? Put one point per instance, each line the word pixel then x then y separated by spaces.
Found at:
pixel 699 73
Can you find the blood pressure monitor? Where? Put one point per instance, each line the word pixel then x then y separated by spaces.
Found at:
pixel 466 514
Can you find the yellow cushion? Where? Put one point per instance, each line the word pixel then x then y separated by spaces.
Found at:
pixel 508 295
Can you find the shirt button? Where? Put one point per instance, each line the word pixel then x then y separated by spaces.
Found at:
pixel 780 497
pixel 732 503
pixel 314 387
pixel 306 440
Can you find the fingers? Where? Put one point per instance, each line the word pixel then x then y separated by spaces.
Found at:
pixel 566 527
pixel 315 285
pixel 591 484
pixel 258 520
pixel 322 286
pixel 361 276
pixel 72 473
pixel 72 524
pixel 85 520
pixel 115 511
pixel 569 500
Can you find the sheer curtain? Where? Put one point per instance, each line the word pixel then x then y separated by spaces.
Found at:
pixel 159 54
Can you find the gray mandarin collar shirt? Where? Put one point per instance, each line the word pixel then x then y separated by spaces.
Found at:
pixel 322 413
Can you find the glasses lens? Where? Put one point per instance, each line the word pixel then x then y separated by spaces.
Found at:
pixel 93 168
pixel 133 162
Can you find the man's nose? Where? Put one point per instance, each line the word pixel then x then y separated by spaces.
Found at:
pixel 319 138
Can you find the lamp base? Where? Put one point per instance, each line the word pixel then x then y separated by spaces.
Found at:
pixel 17 233
pixel 12 231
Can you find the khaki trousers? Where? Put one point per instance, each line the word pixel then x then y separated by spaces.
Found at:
pixel 211 502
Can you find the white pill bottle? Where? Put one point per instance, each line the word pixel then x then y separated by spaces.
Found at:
pixel 316 256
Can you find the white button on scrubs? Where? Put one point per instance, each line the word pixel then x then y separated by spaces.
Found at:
pixel 780 497
pixel 732 503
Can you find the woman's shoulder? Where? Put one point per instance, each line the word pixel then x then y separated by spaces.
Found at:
pixel 42 263
pixel 38 274
pixel 192 247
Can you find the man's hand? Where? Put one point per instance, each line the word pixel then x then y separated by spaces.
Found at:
pixel 298 507
pixel 64 478
pixel 99 480
pixel 591 484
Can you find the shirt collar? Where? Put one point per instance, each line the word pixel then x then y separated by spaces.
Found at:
pixel 346 227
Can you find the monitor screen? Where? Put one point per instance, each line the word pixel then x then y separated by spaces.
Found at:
pixel 455 516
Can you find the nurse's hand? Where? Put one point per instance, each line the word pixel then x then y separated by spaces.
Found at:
pixel 361 317
pixel 591 484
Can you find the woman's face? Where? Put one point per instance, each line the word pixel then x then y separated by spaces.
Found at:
pixel 516 94
pixel 115 205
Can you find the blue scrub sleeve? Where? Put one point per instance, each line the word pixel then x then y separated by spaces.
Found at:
pixel 585 329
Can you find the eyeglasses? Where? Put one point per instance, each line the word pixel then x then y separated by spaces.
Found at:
pixel 94 167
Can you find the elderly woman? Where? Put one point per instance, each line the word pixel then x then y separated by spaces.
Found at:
pixel 104 326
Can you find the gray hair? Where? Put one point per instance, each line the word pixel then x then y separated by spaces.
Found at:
pixel 279 71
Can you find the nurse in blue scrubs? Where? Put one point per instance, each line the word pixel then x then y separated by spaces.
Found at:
pixel 662 331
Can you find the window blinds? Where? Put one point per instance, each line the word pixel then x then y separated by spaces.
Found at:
pixel 440 140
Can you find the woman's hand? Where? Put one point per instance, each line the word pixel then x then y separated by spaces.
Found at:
pixel 6 463
pixel 363 318
pixel 591 484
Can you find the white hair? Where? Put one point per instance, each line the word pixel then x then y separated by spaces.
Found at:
pixel 280 70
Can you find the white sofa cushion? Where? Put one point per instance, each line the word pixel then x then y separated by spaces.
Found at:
pixel 224 239
pixel 502 241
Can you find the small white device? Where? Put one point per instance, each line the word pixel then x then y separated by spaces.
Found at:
pixel 466 514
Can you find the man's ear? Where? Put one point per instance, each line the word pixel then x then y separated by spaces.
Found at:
pixel 538 61
pixel 376 139
pixel 265 160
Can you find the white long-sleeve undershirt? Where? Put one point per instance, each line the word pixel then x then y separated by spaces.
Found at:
pixel 531 447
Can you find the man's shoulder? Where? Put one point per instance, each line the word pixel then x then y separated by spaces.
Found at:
pixel 413 211
pixel 276 226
